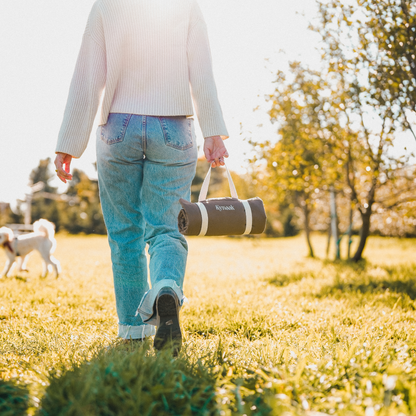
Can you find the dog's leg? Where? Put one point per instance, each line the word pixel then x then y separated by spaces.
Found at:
pixel 7 267
pixel 19 263
pixel 44 269
pixel 43 251
pixel 25 259
pixel 56 265
pixel 11 257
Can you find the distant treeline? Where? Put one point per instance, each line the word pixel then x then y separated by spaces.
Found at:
pixel 78 210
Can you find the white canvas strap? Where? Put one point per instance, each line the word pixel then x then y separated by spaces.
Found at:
pixel 204 215
pixel 233 191
pixel 249 217
pixel 205 185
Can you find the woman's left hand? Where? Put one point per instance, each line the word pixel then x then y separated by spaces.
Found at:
pixel 63 166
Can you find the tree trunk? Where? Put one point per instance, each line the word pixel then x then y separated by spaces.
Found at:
pixel 307 230
pixel 364 233
pixel 350 231
pixel 334 223
pixel 328 243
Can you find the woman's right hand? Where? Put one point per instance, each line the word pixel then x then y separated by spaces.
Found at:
pixel 215 151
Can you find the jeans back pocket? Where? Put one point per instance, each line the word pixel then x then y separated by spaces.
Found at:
pixel 177 132
pixel 115 129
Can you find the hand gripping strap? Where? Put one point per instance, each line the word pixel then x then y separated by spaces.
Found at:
pixel 204 214
pixel 249 217
pixel 205 185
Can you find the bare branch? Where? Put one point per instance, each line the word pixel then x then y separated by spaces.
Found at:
pixel 366 132
pixel 397 203
pixel 397 194
pixel 409 126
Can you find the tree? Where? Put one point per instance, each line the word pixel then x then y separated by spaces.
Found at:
pixel 42 173
pixel 372 113
pixel 82 212
pixel 343 120
pixel 302 165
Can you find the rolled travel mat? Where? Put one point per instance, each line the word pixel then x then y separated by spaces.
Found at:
pixel 221 216
pixel 224 216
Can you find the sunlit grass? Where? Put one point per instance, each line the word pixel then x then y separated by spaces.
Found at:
pixel 276 332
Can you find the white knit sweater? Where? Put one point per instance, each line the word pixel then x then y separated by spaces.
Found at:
pixel 149 56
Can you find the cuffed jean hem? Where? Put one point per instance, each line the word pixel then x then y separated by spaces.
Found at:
pixel 145 308
pixel 135 332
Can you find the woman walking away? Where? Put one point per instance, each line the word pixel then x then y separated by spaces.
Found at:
pixel 152 58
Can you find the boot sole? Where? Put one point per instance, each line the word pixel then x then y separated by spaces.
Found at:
pixel 168 332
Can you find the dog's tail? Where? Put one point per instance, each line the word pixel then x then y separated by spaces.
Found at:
pixel 44 227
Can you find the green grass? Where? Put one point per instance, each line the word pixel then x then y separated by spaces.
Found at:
pixel 131 381
pixel 267 332
pixel 14 399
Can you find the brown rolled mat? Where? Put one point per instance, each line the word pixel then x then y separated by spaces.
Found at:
pixel 226 216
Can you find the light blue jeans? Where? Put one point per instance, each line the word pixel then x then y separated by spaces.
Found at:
pixel 145 165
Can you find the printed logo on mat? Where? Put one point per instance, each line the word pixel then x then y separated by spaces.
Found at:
pixel 224 208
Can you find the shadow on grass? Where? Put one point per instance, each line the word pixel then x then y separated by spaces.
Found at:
pixel 285 279
pixel 19 277
pixel 362 278
pixel 393 283
pixel 131 380
pixel 373 286
pixel 350 265
pixel 281 280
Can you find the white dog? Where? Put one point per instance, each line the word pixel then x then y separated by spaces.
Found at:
pixel 42 239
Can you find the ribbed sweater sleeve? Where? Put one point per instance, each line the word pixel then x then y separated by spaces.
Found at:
pixel 86 88
pixel 152 57
pixel 201 77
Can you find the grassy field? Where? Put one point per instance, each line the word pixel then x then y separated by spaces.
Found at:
pixel 267 332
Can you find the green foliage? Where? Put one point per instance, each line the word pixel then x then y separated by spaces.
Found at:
pixel 388 37
pixel 135 382
pixel 82 213
pixel 302 162
pixel 14 399
pixel 7 216
pixel 76 211
pixel 45 200
pixel 42 173
pixel 290 228
pixel 282 221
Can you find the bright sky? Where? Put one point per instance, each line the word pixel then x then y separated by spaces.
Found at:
pixel 39 43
